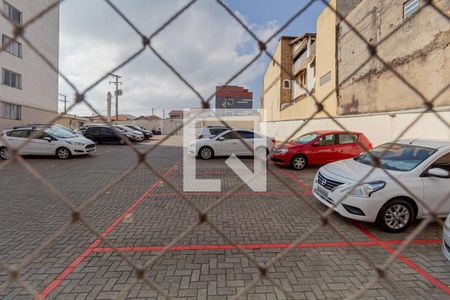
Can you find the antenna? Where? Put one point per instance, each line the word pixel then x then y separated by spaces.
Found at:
pixel 418 138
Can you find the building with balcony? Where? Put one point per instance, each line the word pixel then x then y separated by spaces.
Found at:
pixel 28 86
pixel 306 72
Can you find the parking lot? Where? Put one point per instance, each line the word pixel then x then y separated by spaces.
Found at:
pixel 142 214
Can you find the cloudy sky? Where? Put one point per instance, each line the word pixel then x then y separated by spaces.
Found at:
pixel 204 44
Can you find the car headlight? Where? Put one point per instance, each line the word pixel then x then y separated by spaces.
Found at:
pixel 281 151
pixel 364 190
pixel 74 143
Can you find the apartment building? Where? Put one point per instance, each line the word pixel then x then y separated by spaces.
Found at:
pixel 28 87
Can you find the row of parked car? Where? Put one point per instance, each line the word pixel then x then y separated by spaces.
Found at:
pixel 65 142
pixel 356 180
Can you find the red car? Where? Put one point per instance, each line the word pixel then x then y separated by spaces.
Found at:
pixel 320 147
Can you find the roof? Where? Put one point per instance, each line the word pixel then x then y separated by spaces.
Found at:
pixel 307 34
pixel 429 143
pixel 333 131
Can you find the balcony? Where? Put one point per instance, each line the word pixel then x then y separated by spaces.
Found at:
pixel 301 61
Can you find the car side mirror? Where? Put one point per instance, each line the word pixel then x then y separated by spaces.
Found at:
pixel 221 139
pixel 48 139
pixel 315 144
pixel 438 172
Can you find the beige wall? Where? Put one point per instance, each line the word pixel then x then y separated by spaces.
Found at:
pixel 419 51
pixel 272 87
pixel 29 115
pixel 326 60
pixel 379 128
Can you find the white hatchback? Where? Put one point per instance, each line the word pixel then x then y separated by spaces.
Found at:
pixel 422 166
pixel 51 141
pixel 229 142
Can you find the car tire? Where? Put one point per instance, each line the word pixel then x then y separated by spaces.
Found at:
pixel 299 162
pixel 4 153
pixel 396 216
pixel 263 151
pixel 206 153
pixel 63 153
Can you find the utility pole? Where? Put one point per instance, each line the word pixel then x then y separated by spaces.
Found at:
pixel 164 113
pixel 65 102
pixel 152 111
pixel 118 92
pixel 108 106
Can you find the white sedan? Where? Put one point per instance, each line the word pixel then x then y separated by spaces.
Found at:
pixel 422 166
pixel 229 142
pixel 51 141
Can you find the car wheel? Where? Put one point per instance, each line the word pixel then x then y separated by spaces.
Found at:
pixel 396 215
pixel 262 151
pixel 4 153
pixel 206 153
pixel 299 162
pixel 63 153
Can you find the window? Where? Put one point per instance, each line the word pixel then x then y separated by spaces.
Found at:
pixel 20 133
pixel 13 47
pixel 286 84
pixel 246 134
pixel 325 78
pixel 410 7
pixel 396 157
pixel 327 140
pixel 107 131
pixel 230 135
pixel 305 139
pixel 11 79
pixel 10 111
pixel 443 162
pixel 301 79
pixel 217 131
pixel 347 139
pixel 13 13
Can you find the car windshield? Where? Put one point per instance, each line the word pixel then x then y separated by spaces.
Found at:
pixel 60 133
pixel 305 139
pixel 396 157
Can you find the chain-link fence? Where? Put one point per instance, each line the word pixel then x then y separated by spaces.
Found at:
pixel 77 217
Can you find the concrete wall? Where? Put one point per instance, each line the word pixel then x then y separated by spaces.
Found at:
pixel 379 128
pixel 419 51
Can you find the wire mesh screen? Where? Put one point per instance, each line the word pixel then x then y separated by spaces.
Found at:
pixel 263 269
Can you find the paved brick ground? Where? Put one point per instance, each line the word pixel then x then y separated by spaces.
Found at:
pixel 323 267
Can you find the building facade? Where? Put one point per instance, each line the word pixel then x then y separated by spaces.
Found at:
pixel 233 97
pixel 28 87
pixel 414 40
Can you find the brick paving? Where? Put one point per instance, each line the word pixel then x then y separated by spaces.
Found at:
pixel 323 267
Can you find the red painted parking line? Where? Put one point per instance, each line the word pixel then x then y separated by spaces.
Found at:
pixel 223 193
pixel 386 246
pixel 67 271
pixel 305 186
pixel 264 246
pixel 404 259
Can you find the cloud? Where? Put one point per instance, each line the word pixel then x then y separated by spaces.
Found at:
pixel 204 44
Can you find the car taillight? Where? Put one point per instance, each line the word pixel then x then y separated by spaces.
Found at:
pixel 273 141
